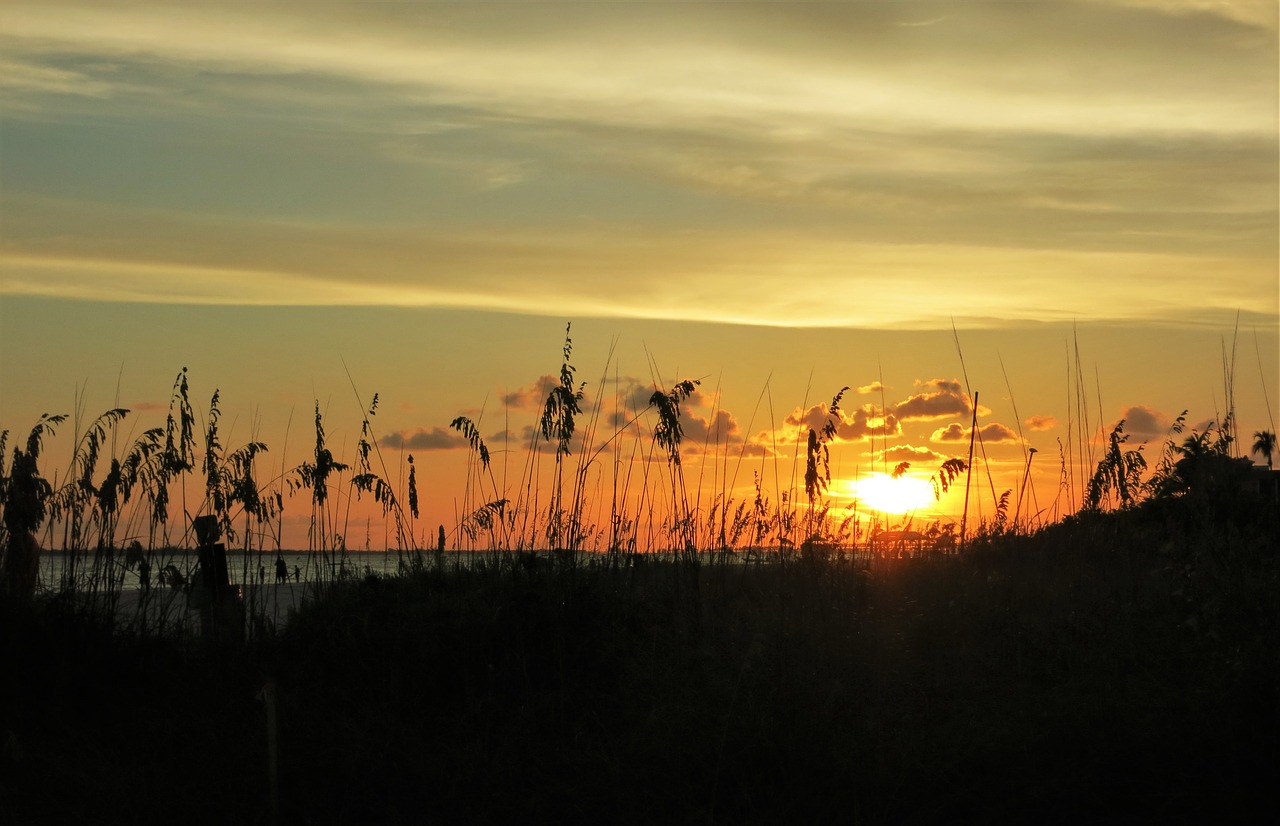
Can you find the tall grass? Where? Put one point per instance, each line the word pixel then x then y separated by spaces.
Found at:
pixel 1118 663
pixel 590 483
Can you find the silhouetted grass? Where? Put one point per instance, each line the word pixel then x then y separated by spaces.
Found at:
pixel 1118 666
pixel 1121 664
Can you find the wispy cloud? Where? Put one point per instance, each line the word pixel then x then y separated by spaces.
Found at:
pixel 695 276
pixel 1041 423
pixel 786 164
pixel 532 395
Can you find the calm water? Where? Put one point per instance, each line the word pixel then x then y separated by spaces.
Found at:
pixel 257 568
pixel 242 568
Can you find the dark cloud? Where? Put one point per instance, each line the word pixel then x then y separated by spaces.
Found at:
pixel 951 433
pixel 636 395
pixel 636 398
pixel 1144 423
pixel 720 428
pixel 760 445
pixel 437 438
pixel 996 433
pixel 909 453
pixel 993 433
pixel 940 398
pixel 861 423
pixel 532 435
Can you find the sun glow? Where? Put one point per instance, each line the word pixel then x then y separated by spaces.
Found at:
pixel 882 492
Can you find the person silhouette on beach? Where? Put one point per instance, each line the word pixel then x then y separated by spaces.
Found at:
pixel 282 570
pixel 297 574
pixel 262 574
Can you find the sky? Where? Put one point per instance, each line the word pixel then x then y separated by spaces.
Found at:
pixel 1036 202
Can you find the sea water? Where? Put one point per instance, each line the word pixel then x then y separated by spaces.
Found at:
pixel 58 569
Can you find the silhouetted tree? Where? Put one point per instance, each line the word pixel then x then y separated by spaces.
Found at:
pixel 1204 467
pixel 1264 444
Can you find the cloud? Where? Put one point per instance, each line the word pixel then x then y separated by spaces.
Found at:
pixel 530 435
pixel 909 453
pixel 718 429
pixel 714 429
pixel 1260 14
pixel 436 438
pixel 874 387
pixel 860 423
pixel 532 395
pixel 951 433
pixel 758 143
pixel 1041 423
pixel 941 398
pixel 95 252
pixel 761 445
pixel 718 66
pixel 993 433
pixel 1143 423
pixel 25 77
pixel 148 406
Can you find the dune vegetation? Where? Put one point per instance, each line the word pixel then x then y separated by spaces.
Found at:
pixel 663 656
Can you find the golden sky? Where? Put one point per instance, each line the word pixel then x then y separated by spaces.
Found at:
pixel 791 195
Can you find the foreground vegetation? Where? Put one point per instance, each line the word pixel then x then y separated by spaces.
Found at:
pixel 1119 664
pixel 1115 666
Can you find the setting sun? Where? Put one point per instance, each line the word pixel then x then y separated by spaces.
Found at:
pixel 882 492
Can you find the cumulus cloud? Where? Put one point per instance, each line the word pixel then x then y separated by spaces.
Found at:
pixel 993 433
pixel 939 398
pixel 719 428
pixel 532 395
pixel 951 433
pixel 702 423
pixel 909 453
pixel 851 426
pixel 1041 423
pixel 1144 423
pixel 874 387
pixel 761 445
pixel 437 438
pixel 531 434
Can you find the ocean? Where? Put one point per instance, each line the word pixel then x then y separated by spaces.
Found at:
pixel 253 568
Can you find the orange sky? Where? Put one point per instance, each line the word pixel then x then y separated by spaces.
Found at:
pixel 778 199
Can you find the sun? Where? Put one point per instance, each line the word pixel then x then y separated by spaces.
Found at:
pixel 882 492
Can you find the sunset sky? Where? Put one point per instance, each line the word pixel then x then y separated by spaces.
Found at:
pixel 778 199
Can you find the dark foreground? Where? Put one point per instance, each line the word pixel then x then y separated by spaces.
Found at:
pixel 1111 669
